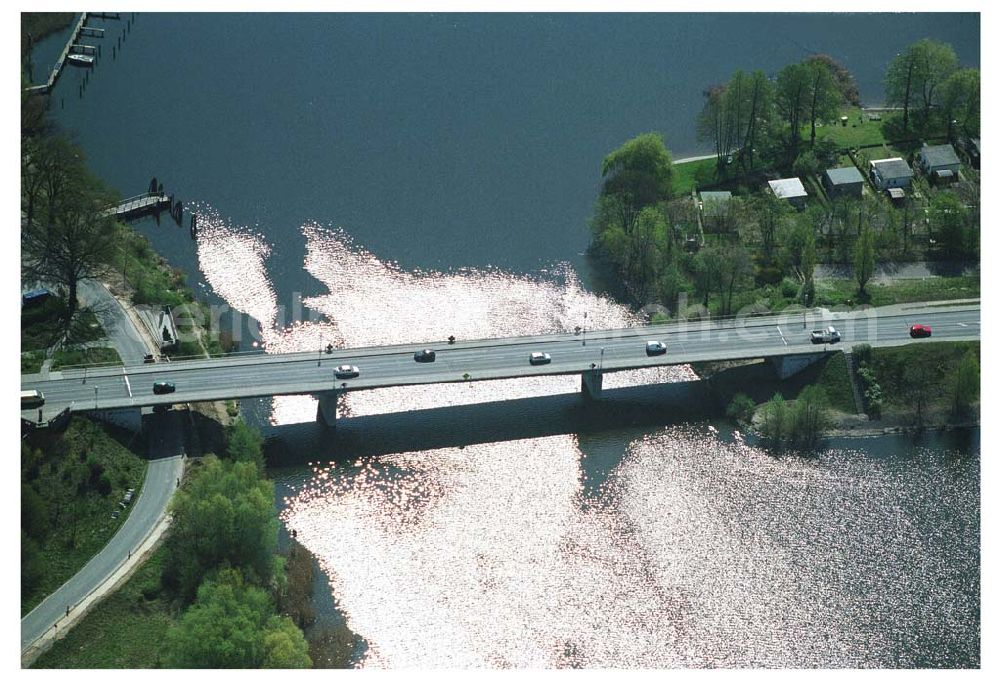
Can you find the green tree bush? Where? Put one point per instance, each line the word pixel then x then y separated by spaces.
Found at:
pixel 232 624
pixel 225 515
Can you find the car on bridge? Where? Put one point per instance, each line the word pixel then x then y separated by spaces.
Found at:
pixel 655 348
pixel 539 358
pixel 161 387
pixel 920 331
pixel 425 355
pixel 346 372
pixel 828 335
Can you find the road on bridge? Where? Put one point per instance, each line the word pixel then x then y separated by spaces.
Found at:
pixel 608 350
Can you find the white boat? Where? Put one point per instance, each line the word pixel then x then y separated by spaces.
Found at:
pixel 80 59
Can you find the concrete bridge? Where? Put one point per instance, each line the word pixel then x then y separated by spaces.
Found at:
pixel 783 339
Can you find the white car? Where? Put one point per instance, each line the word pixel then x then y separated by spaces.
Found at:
pixel 346 372
pixel 539 358
pixel 655 348
pixel 828 335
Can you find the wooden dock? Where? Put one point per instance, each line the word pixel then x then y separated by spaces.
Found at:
pixel 139 205
pixel 46 87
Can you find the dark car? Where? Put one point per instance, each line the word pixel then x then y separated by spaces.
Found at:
pixel 346 372
pixel 160 387
pixel 425 355
pixel 148 359
pixel 920 331
pixel 655 348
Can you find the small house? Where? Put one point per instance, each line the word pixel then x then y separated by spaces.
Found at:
pixel 896 195
pixel 843 182
pixel 715 210
pixel 939 162
pixel 889 173
pixel 791 190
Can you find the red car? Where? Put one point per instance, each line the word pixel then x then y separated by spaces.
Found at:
pixel 919 331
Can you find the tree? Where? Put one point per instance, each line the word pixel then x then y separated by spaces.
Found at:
pixel 741 408
pixel 243 444
pixel 793 98
pixel 771 213
pixel 864 259
pixel 66 239
pixel 950 224
pixel 809 417
pixel 734 271
pixel 960 102
pixel 916 75
pixel 226 515
pixel 899 83
pixel 966 383
pixel 34 513
pixel 825 96
pixel 842 77
pixel 32 564
pixel 232 624
pixel 936 61
pixel 640 170
pixel 774 418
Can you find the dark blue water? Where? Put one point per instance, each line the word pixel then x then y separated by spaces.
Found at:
pixel 436 140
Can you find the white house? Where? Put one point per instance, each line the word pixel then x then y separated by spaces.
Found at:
pixel 791 190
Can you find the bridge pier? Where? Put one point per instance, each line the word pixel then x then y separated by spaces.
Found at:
pixel 591 382
pixel 786 365
pixel 326 411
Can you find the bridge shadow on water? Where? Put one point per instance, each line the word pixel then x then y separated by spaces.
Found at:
pixel 505 420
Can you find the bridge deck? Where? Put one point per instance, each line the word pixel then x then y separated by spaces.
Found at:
pixel 488 359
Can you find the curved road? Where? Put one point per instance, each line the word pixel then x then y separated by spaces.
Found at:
pixel 166 464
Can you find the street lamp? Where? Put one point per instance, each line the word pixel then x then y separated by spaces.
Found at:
pixel 319 359
pixel 602 358
pixel 584 328
pixel 95 397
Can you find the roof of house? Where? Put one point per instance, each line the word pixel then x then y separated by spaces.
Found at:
pixel 716 196
pixel 893 168
pixel 788 188
pixel 940 155
pixel 848 175
pixel 896 192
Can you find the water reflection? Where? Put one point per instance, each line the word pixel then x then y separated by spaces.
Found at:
pixel 613 546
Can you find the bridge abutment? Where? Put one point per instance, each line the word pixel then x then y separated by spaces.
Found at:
pixel 787 365
pixel 591 383
pixel 326 411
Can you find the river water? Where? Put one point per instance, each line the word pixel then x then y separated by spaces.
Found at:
pixel 382 179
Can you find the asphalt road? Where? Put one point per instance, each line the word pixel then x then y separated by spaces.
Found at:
pixel 611 350
pixel 165 467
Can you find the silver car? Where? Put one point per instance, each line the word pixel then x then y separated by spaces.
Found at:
pixel 539 358
pixel 655 348
pixel 346 372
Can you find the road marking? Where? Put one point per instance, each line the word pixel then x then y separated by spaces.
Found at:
pixel 962 324
pixel 781 335
pixel 128 386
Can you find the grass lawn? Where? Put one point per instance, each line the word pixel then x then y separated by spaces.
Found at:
pixel 688 176
pixel 70 485
pixel 833 292
pixel 85 356
pixel 857 132
pixel 837 384
pixel 126 630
